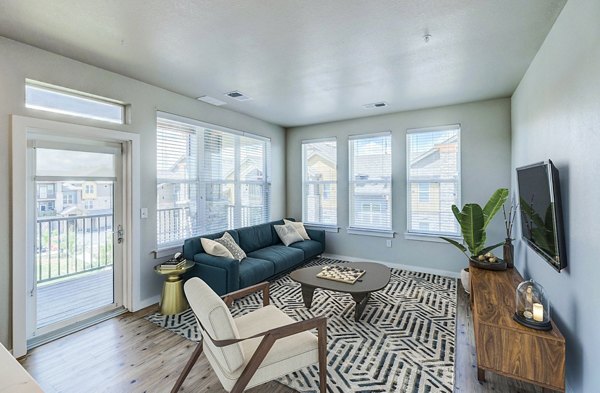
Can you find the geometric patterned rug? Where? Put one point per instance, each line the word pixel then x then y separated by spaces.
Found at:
pixel 404 341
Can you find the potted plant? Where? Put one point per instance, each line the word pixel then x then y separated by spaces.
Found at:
pixel 473 221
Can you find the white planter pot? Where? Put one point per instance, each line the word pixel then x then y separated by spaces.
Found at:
pixel 465 279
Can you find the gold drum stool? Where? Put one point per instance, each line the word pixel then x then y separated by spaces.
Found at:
pixel 173 299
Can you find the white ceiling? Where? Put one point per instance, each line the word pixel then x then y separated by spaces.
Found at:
pixel 302 62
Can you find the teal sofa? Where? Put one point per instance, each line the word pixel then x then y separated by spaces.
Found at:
pixel 266 257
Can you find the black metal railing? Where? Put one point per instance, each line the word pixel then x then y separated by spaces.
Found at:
pixel 66 246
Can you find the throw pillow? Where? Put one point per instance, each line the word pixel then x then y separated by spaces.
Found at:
pixel 229 242
pixel 299 227
pixel 214 248
pixel 288 234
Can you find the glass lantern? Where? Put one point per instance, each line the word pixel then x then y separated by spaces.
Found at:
pixel 532 306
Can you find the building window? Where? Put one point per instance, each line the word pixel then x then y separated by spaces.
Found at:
pixel 56 99
pixel 319 182
pixel 433 179
pixel 68 198
pixel 370 171
pixel 88 205
pixel 209 179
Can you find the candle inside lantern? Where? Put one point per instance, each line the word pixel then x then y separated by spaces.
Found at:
pixel 538 312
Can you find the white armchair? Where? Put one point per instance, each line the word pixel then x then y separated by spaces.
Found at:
pixel 257 347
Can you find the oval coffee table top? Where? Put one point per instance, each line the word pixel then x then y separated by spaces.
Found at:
pixel 376 277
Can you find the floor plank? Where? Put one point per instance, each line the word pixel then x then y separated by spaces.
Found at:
pixel 130 354
pixel 59 300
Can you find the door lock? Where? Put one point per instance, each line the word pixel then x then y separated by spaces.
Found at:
pixel 120 234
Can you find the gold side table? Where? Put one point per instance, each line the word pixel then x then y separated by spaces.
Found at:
pixel 173 299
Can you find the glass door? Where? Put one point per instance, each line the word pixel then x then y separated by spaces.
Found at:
pixel 75 272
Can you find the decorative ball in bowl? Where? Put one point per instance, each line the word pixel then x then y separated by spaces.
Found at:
pixel 488 261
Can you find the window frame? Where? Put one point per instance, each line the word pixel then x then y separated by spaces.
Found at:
pixel 305 183
pixel 369 230
pixel 199 181
pixel 415 234
pixel 77 95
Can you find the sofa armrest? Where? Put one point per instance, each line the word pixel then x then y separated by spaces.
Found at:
pixel 220 273
pixel 317 235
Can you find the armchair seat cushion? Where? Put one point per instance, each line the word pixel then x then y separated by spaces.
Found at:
pixel 288 354
pixel 283 257
pixel 253 270
pixel 311 248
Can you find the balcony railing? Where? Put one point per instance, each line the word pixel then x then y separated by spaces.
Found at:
pixel 176 224
pixel 66 246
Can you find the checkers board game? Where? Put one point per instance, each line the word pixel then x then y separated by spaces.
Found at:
pixel 348 275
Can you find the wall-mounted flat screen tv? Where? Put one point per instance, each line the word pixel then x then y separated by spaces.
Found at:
pixel 541 212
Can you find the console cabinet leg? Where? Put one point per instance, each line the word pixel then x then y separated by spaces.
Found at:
pixel 480 374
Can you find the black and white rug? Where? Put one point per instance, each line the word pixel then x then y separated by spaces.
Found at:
pixel 404 341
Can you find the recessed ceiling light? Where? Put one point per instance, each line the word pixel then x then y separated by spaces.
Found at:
pixel 238 95
pixel 211 100
pixel 381 104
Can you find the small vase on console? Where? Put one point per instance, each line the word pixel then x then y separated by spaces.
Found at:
pixel 508 253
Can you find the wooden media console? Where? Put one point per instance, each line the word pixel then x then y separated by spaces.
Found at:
pixel 506 347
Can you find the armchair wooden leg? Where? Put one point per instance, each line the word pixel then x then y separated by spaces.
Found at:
pixel 187 368
pixel 322 332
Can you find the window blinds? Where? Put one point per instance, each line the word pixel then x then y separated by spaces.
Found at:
pixel 370 183
pixel 433 179
pixel 209 180
pixel 319 181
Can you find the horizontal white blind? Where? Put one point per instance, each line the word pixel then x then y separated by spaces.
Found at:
pixel 370 181
pixel 433 179
pixel 319 182
pixel 209 180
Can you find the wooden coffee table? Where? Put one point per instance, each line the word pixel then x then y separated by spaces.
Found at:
pixel 376 277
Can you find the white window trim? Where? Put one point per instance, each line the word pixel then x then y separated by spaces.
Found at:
pixel 433 236
pixel 317 225
pixel 382 232
pixel 326 228
pixel 371 232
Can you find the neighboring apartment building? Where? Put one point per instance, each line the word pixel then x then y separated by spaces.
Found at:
pixel 67 199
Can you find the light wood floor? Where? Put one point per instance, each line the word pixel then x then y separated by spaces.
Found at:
pixel 129 354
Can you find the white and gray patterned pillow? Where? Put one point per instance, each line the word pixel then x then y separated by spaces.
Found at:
pixel 288 234
pixel 229 242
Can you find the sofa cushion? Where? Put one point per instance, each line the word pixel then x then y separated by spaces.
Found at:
pixel 229 242
pixel 282 257
pixel 255 270
pixel 298 226
pixel 193 245
pixel 288 234
pixel 255 237
pixel 214 248
pixel 311 248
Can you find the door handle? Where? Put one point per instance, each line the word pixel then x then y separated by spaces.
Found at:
pixel 120 234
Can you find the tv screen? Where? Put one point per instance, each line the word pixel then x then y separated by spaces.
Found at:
pixel 541 212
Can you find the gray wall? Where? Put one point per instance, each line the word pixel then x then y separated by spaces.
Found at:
pixel 485 142
pixel 18 61
pixel 556 115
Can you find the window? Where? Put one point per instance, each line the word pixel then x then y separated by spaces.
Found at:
pixel 50 98
pixel 88 205
pixel 68 198
pixel 370 181
pixel 319 182
pixel 209 179
pixel 433 179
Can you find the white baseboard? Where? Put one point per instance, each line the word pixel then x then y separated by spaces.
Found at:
pixel 411 268
pixel 147 302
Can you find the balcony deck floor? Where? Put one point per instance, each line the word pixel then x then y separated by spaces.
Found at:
pixel 60 300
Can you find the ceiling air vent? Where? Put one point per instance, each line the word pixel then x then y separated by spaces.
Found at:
pixel 237 95
pixel 374 105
